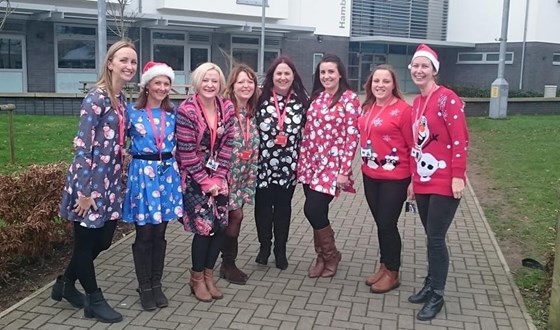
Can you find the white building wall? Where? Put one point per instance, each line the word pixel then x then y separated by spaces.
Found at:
pixel 480 21
pixel 329 17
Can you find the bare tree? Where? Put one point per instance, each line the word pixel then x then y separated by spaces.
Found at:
pixel 7 12
pixel 116 11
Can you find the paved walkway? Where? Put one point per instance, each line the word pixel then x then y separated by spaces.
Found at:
pixel 480 293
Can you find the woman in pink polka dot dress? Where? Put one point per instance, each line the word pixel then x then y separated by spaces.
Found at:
pixel 439 159
pixel 330 138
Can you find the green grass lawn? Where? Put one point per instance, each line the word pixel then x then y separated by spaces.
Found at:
pixel 38 140
pixel 520 158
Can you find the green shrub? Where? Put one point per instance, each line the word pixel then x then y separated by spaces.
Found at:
pixel 478 92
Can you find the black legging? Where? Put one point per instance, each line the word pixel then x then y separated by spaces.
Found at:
pixel 205 250
pixel 316 207
pixel 437 213
pixel 88 244
pixel 385 199
pixel 149 233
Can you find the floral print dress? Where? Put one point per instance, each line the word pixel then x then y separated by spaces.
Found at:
pixel 96 170
pixel 243 181
pixel 330 139
pixel 277 164
pixel 153 191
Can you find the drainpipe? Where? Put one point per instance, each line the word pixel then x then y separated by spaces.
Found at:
pixel 524 45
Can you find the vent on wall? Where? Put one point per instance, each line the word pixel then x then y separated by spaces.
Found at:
pixel 205 38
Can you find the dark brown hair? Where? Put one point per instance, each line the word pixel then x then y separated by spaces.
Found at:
pixel 343 84
pixel 142 100
pixel 297 85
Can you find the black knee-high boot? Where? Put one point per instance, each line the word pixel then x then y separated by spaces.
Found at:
pixel 142 254
pixel 158 261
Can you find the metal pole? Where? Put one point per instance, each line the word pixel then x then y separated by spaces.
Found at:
pixel 101 32
pixel 11 144
pixel 524 45
pixel 261 50
pixel 500 87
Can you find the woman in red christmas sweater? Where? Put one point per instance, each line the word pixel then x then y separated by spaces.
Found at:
pixel 440 161
pixel 386 141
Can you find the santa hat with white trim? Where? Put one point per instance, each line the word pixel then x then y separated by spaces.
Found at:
pixel 425 51
pixel 153 69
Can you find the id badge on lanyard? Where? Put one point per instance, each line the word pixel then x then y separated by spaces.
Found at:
pixel 282 139
pixel 245 155
pixel 212 164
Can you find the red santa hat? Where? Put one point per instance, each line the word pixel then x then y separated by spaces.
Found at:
pixel 425 51
pixel 153 69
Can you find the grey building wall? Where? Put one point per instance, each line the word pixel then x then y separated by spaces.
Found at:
pixel 538 69
pixel 301 49
pixel 40 56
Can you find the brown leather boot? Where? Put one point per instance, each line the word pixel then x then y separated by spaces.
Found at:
pixel 331 256
pixel 198 287
pixel 317 270
pixel 228 268
pixel 373 278
pixel 388 281
pixel 211 285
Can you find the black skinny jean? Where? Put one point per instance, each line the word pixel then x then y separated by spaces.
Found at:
pixel 436 213
pixel 385 199
pixel 88 244
pixel 316 207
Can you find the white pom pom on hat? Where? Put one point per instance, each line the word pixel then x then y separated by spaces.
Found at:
pixel 424 50
pixel 153 69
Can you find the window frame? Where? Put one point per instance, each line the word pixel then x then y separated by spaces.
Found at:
pixel 555 62
pixel 79 37
pixel 484 58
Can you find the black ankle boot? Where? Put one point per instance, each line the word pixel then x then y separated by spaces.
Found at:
pixel 280 258
pixel 147 299
pixel 262 257
pixel 96 306
pixel 421 296
pixel 64 288
pixel 431 308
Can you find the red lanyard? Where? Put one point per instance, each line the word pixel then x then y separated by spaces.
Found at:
pixel 281 116
pixel 370 123
pixel 245 132
pixel 421 113
pixel 214 129
pixel 162 124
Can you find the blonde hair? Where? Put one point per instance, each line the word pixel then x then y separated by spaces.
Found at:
pixel 198 75
pixel 105 76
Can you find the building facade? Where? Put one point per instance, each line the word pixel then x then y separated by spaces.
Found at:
pixel 51 46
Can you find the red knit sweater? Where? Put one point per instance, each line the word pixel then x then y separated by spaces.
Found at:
pixel 387 134
pixel 441 141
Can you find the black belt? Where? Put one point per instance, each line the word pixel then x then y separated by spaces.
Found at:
pixel 164 156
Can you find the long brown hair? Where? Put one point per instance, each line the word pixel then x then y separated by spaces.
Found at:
pixel 343 84
pixel 370 98
pixel 232 79
pixel 105 77
pixel 298 88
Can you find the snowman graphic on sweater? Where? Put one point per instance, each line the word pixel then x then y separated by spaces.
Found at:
pixel 426 163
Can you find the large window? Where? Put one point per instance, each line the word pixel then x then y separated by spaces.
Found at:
pixel 170 48
pixel 246 50
pixel 482 58
pixel 11 53
pixel 75 47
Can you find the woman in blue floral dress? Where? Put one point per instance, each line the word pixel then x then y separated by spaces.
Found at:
pixel 93 193
pixel 241 90
pixel 153 195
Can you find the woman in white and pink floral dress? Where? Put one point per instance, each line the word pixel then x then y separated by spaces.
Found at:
pixel 330 139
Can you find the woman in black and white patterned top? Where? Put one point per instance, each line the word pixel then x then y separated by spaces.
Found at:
pixel 280 118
